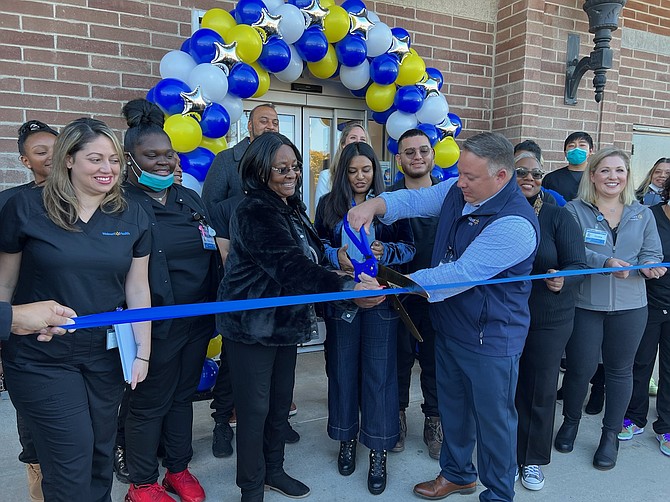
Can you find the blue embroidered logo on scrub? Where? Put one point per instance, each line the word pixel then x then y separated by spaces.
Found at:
pixel 115 234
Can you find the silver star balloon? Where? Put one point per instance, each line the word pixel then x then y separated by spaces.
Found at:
pixel 268 25
pixel 429 85
pixel 226 56
pixel 359 23
pixel 194 102
pixel 447 128
pixel 314 14
pixel 399 47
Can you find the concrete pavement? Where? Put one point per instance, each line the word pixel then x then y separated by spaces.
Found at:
pixel 641 474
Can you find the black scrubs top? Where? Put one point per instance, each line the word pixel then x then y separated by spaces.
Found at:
pixel 84 270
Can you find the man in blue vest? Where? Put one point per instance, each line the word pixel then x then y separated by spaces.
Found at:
pixel 486 230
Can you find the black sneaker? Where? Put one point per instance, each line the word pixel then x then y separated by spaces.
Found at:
pixel 120 467
pixel 286 485
pixel 222 440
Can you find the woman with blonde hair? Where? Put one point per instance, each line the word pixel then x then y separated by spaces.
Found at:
pixel 611 309
pixel 353 132
pixel 79 242
pixel 649 191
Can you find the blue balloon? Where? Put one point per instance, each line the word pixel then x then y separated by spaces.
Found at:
pixel 215 121
pixel 398 177
pixel 384 69
pixel 197 162
pixel 300 4
pixel 248 11
pixel 392 145
pixel 437 173
pixel 360 93
pixel 243 81
pixel 382 117
pixel 208 376
pixel 312 45
pixel 167 95
pixel 456 120
pixel 431 131
pixel 151 95
pixel 276 55
pixel 186 46
pixel 353 5
pixel 408 99
pixel 400 33
pixel 437 75
pixel 450 172
pixel 351 50
pixel 202 48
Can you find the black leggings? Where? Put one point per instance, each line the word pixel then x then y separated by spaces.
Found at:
pixel 618 335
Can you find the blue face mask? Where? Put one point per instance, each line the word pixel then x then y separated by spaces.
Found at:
pixel 576 156
pixel 152 181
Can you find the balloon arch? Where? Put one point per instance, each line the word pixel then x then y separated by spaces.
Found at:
pixel 233 55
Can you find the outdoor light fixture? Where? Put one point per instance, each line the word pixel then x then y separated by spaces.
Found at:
pixel 603 20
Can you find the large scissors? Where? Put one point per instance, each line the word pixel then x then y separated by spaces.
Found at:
pixel 386 276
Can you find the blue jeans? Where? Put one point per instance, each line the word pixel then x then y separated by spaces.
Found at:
pixel 361 357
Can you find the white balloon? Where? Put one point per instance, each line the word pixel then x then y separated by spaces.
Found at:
pixel 177 64
pixel 294 69
pixel 233 106
pixel 399 122
pixel 190 181
pixel 211 79
pixel 434 110
pixel 379 39
pixel 273 5
pixel 355 77
pixel 292 24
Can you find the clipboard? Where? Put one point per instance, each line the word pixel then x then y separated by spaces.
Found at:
pixel 125 340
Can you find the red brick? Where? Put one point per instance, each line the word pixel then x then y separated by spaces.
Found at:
pixel 10 52
pixel 27 7
pixel 87 15
pixel 134 7
pixel 24 39
pixel 157 11
pixel 57 26
pixel 55 88
pixel 22 100
pixel 9 21
pixel 89 76
pixel 87 45
pixel 55 58
pixel 133 36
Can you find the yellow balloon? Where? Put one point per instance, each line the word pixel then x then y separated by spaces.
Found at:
pixel 326 67
pixel 263 80
pixel 380 97
pixel 218 20
pixel 327 3
pixel 184 132
pixel 214 145
pixel 336 23
pixel 249 43
pixel 411 70
pixel 447 152
pixel 214 347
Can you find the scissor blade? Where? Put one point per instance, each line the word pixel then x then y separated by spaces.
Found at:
pixel 401 281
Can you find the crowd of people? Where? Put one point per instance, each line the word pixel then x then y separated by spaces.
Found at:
pixel 105 227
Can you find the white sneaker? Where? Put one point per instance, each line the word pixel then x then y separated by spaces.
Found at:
pixel 532 477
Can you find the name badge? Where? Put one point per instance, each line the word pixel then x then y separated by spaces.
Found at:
pixel 595 236
pixel 207 234
pixel 111 339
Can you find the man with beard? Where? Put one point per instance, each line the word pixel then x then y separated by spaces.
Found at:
pixel 417 159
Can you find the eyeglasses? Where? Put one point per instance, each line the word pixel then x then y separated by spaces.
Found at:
pixel 522 172
pixel 284 170
pixel 411 152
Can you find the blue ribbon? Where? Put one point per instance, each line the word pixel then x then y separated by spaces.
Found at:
pixel 199 309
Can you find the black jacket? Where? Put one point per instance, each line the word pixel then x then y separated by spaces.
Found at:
pixel 223 179
pixel 267 259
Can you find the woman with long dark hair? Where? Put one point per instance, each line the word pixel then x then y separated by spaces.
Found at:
pixel 361 344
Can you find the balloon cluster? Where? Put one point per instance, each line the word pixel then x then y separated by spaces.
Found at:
pixel 233 55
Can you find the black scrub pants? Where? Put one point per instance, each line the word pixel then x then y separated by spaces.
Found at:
pixel 28 453
pixel 656 337
pixel 263 378
pixel 419 313
pixel 70 410
pixel 536 392
pixel 163 403
pixel 222 394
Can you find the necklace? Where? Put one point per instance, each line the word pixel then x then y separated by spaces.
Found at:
pixel 159 199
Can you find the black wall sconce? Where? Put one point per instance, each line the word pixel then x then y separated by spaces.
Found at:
pixel 603 20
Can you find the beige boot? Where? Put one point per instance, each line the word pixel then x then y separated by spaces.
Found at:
pixel 35 482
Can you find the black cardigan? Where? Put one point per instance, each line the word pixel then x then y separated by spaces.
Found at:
pixel 267 259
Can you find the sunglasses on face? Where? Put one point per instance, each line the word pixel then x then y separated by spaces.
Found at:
pixel 284 170
pixel 522 172
pixel 411 152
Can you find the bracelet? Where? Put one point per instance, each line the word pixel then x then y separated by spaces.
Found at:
pixel 142 359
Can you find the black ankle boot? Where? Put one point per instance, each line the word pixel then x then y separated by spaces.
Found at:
pixel 377 472
pixel 565 438
pixel 346 460
pixel 608 449
pixel 120 467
